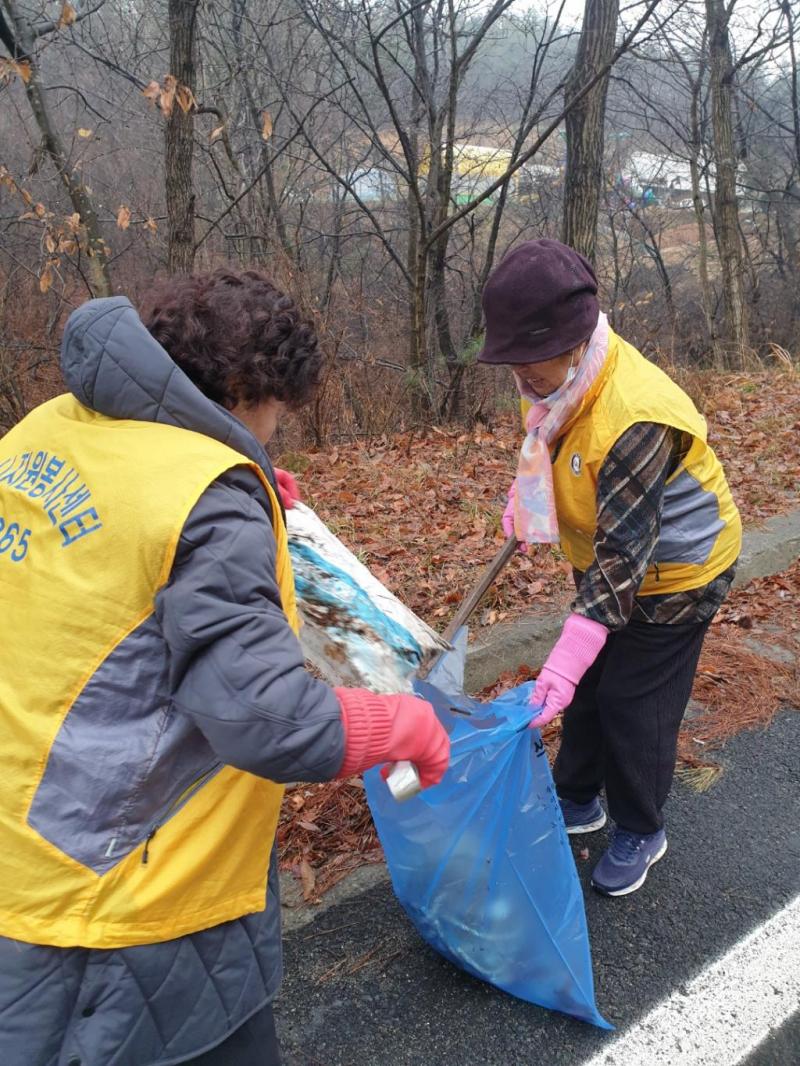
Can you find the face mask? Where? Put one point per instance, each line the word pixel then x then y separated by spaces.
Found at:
pixel 528 393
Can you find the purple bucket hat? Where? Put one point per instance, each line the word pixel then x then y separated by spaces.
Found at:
pixel 539 302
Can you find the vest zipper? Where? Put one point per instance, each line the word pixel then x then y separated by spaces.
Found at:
pixel 184 798
pixel 146 852
pixel 658 575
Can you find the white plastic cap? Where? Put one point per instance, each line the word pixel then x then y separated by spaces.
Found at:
pixel 403 781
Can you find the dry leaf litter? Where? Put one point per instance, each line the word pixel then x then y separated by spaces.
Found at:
pixel 423 513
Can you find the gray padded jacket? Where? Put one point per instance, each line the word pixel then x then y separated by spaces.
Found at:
pixel 237 678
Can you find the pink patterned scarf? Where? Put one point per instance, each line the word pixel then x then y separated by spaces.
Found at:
pixel 535 518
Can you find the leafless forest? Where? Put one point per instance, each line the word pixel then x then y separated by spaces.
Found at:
pixel 379 156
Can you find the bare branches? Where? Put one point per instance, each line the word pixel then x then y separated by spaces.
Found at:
pixel 380 158
pixel 553 125
pixel 79 13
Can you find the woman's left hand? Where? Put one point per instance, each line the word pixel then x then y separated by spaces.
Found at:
pixel 288 488
pixel 580 643
pixel 553 694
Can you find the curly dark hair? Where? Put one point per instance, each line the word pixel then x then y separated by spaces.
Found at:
pixel 236 336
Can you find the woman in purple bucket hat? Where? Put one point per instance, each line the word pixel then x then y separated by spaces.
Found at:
pixel 615 467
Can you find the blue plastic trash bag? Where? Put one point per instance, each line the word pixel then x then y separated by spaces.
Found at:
pixel 482 864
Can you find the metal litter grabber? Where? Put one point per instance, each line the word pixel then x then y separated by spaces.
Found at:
pixel 470 602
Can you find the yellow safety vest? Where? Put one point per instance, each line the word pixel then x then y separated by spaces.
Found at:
pixel 92 509
pixel 701 531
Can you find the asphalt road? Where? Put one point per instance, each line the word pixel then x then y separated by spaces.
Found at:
pixel 361 988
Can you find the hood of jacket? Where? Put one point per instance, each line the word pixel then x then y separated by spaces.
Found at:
pixel 112 365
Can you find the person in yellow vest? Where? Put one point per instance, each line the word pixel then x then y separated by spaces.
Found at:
pixel 616 467
pixel 152 687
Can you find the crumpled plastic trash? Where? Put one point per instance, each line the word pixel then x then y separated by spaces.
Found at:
pixel 355 631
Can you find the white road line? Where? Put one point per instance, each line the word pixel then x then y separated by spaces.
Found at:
pixel 725 1012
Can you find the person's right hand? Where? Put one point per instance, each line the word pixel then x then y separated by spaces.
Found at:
pixel 508 516
pixel 380 729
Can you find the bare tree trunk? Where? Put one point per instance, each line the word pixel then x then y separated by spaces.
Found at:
pixel 421 402
pixel 438 265
pixel 437 201
pixel 416 309
pixel 702 251
pixel 20 37
pixel 699 210
pixel 446 131
pixel 617 268
pixel 653 248
pixel 417 252
pixel 585 126
pixel 795 88
pixel 788 205
pixel 334 264
pixel 726 211
pixel 179 140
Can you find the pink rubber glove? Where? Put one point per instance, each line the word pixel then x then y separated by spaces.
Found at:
pixel 580 643
pixel 288 488
pixel 508 516
pixel 381 729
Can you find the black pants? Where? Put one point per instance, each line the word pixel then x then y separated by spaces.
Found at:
pixel 253 1044
pixel 621 729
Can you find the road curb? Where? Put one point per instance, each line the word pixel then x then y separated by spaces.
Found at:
pixel 770 548
pixel 295 913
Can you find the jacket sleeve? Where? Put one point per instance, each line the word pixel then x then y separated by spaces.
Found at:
pixel 236 667
pixel 630 494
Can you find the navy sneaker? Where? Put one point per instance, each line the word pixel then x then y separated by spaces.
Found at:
pixel 583 817
pixel 624 866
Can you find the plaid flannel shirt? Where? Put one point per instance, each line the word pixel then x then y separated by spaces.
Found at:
pixel 630 493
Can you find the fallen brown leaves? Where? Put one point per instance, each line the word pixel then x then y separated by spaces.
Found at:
pixel 325 832
pixel 749 668
pixel 423 512
pixel 754 426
